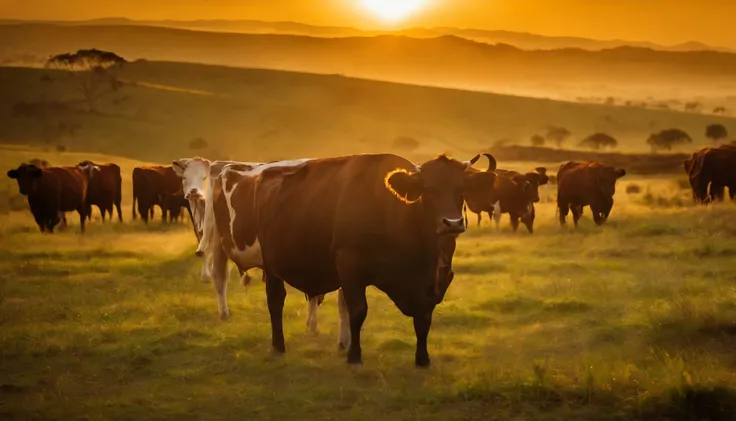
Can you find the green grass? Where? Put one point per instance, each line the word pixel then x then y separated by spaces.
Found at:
pixel 635 319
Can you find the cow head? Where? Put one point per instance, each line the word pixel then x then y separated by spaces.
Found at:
pixel 26 176
pixel 442 184
pixel 536 179
pixel 193 173
pixel 89 168
pixel 606 179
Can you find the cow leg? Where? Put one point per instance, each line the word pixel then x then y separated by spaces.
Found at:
pixel 62 220
pixel 205 273
pixel 421 329
pixel 244 277
pixel 276 295
pixel 598 216
pixel 358 311
pixel 120 212
pixel 577 212
pixel 219 280
pixel 563 209
pixel 82 217
pixel 41 221
pixel 465 213
pixel 343 338
pixel 514 221
pixel 480 215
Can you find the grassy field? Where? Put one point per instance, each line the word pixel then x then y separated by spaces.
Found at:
pixel 632 320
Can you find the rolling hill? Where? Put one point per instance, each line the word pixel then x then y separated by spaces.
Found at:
pixel 523 40
pixel 448 61
pixel 260 114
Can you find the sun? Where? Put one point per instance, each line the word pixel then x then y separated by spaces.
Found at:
pixel 393 10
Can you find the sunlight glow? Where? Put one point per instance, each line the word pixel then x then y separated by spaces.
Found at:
pixel 393 10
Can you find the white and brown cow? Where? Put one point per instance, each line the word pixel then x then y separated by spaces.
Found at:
pixel 197 178
pixel 221 234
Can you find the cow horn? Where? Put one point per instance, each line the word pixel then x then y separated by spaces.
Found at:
pixel 472 161
pixel 491 162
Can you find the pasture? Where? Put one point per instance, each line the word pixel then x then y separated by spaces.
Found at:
pixel 635 319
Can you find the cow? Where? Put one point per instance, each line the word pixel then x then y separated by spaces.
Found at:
pixel 714 167
pixel 105 188
pixel 515 194
pixel 345 224
pixel 518 197
pixel 581 184
pixel 52 191
pixel 155 186
pixel 211 236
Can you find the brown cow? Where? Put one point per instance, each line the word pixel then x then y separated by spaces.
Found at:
pixel 51 192
pixel 714 167
pixel 516 194
pixel 105 188
pixel 156 186
pixel 581 184
pixel 348 223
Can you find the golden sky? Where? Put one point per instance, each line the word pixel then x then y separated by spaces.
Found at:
pixel 662 21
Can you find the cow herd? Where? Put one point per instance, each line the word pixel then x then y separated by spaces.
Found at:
pixel 331 224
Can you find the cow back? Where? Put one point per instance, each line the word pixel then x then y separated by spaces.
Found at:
pixel 72 187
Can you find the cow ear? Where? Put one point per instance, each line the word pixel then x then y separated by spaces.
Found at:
pixel 13 173
pixel 620 172
pixel 406 186
pixel 543 179
pixel 179 166
pixel 479 186
pixel 541 171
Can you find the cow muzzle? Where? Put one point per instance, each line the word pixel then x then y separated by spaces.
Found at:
pixel 451 226
pixel 193 194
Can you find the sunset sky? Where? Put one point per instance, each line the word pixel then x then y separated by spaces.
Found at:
pixel 663 21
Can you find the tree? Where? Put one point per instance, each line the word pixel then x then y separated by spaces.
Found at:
pixel 94 72
pixel 719 110
pixel 537 140
pixel 558 135
pixel 198 143
pixel 668 138
pixel 716 132
pixel 599 141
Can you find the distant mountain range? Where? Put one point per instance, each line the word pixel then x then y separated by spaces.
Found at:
pixel 526 41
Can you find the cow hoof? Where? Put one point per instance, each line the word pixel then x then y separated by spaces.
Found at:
pixel 422 361
pixel 355 359
pixel 225 317
pixel 199 253
pixel 278 349
pixel 342 346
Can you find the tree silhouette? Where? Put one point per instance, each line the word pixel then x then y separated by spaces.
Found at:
pixel 668 138
pixel 719 110
pixel 198 143
pixel 537 140
pixel 558 135
pixel 93 70
pixel 716 132
pixel 599 141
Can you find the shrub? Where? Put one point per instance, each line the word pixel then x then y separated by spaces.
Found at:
pixel 405 143
pixel 633 189
pixel 537 140
pixel 61 148
pixel 198 143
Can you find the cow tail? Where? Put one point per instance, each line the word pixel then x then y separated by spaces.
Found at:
pixel 119 197
pixel 135 197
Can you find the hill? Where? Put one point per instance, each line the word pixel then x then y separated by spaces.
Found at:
pixel 449 61
pixel 265 114
pixel 526 41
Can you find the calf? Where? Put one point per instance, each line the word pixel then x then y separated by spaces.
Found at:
pixel 581 184
pixel 52 191
pixel 105 188
pixel 519 199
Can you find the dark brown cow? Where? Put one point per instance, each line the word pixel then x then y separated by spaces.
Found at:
pixel 581 184
pixel 349 223
pixel 714 168
pixel 51 192
pixel 516 194
pixel 105 188
pixel 155 186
